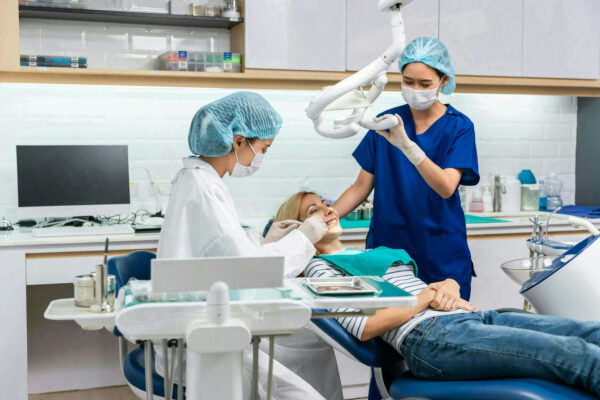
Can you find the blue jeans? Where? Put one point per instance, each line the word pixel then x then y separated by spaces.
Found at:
pixel 488 344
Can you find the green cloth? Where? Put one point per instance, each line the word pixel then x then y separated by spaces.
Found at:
pixel 368 263
pixel 469 219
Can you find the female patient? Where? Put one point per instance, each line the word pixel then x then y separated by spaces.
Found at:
pixel 443 338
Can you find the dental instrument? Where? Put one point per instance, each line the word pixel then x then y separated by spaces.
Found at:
pixel 348 93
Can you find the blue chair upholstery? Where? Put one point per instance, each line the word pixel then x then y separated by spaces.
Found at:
pixel 133 265
pixel 136 265
pixel 135 375
pixel 405 385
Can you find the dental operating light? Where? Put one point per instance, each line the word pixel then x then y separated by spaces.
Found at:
pixel 348 94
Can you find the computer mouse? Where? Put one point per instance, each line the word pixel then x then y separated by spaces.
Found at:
pixel 153 221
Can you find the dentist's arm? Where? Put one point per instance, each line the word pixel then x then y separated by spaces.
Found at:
pixel 443 181
pixel 355 194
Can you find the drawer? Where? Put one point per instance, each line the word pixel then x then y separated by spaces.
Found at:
pixel 52 268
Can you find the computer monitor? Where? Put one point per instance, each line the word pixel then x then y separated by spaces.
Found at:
pixel 74 180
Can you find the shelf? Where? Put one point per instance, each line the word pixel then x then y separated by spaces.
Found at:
pixel 284 79
pixel 80 14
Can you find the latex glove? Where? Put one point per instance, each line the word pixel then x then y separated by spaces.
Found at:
pixel 279 229
pixel 398 137
pixel 314 228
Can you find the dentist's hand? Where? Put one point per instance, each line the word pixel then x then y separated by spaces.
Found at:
pixel 279 229
pixel 398 137
pixel 314 228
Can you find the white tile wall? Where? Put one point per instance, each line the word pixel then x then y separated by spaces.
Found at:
pixel 115 46
pixel 513 132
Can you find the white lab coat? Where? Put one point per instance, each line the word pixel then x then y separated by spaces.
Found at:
pixel 201 221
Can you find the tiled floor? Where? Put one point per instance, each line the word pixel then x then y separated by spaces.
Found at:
pixel 111 393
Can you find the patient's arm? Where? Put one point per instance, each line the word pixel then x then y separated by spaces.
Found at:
pixel 390 318
pixel 355 194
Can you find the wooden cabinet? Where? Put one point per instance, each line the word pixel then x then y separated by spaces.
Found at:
pixel 561 39
pixel 484 37
pixel 368 31
pixel 296 35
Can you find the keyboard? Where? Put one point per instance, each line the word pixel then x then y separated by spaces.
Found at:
pixel 101 230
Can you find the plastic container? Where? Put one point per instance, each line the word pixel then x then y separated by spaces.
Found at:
pixel 476 204
pixel 354 215
pixel 199 61
pixel 511 199
pixel 488 198
pixel 552 189
pixel 530 197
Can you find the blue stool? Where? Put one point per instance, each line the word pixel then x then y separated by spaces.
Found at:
pixel 392 384
pixel 136 265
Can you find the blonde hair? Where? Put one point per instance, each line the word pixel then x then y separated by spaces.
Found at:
pixel 290 209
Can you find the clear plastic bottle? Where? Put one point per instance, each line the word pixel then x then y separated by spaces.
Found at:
pixel 476 201
pixel 552 189
pixel 543 200
pixel 487 198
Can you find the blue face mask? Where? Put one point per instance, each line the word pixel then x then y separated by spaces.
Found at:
pixel 240 171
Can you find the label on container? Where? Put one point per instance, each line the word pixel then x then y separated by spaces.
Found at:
pixel 74 59
pixel 183 65
pixel 182 55
pixel 227 67
pixel 33 64
pixel 74 65
pixel 227 56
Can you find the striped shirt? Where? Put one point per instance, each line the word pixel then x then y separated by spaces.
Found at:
pixel 402 276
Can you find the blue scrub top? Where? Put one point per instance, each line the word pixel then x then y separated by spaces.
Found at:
pixel 410 215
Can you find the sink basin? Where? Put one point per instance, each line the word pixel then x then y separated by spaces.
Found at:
pixel 522 269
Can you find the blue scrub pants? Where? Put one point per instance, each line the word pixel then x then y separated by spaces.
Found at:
pixel 487 344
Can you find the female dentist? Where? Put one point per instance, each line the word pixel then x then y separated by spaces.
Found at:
pixel 231 135
pixel 415 169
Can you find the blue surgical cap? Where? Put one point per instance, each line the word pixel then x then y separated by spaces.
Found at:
pixel 432 52
pixel 241 113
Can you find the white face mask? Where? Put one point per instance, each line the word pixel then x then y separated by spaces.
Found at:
pixel 240 171
pixel 420 99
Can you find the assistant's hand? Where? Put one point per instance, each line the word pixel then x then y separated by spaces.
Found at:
pixel 398 137
pixel 314 228
pixel 279 229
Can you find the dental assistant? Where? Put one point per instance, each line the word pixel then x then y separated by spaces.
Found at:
pixel 231 135
pixel 416 168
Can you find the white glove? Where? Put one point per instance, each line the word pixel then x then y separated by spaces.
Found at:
pixel 398 137
pixel 279 229
pixel 314 228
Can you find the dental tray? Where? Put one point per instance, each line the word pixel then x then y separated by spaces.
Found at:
pixel 342 285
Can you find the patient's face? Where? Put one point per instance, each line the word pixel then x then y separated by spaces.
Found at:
pixel 313 205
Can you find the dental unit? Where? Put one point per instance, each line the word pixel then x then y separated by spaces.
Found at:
pixel 348 93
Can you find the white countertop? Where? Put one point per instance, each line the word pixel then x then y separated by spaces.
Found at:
pixel 518 223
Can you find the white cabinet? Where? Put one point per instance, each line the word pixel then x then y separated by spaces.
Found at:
pixel 368 30
pixel 561 39
pixel 484 37
pixel 298 35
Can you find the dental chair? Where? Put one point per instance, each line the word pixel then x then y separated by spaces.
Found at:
pixel 390 381
pixel 136 265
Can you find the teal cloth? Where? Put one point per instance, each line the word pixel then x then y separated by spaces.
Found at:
pixel 469 219
pixel 368 263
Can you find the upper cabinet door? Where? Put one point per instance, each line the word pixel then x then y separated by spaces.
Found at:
pixel 296 34
pixel 561 39
pixel 369 32
pixel 484 37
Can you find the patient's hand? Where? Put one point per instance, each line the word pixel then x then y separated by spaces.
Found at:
pixel 448 286
pixel 447 298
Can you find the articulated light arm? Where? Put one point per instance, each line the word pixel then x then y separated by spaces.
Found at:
pixel 345 95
